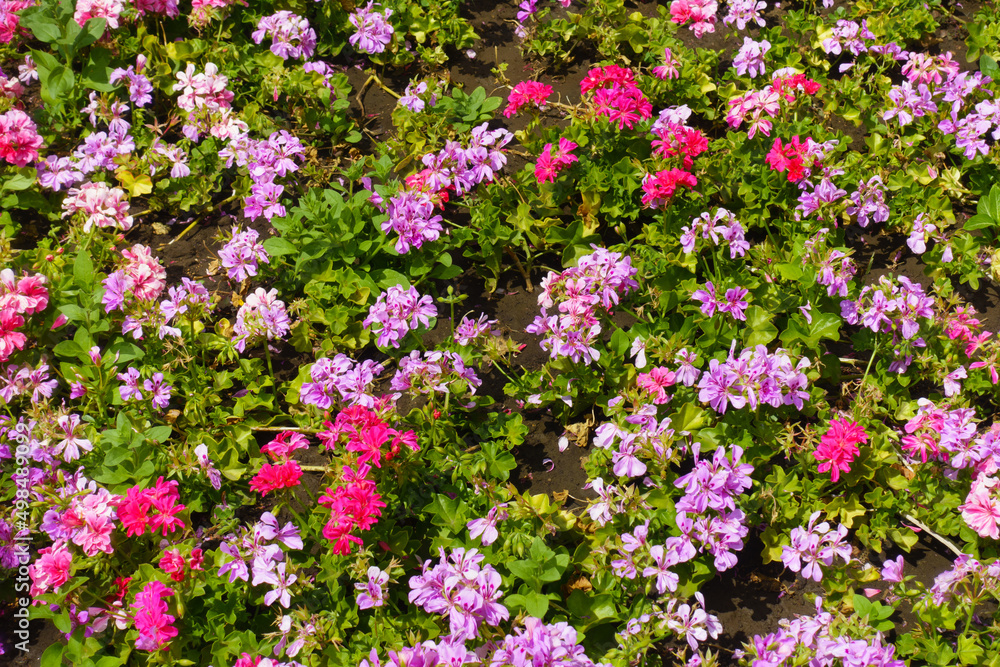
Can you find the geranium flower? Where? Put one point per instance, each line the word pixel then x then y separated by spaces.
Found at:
pixel 839 446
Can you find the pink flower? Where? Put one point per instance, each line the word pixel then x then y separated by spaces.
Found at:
pixel 155 626
pixel 701 12
pixel 552 161
pixel 52 568
pixel 173 564
pixel 524 93
pixel 668 70
pixel 981 510
pixel 659 189
pixel 838 447
pixel 655 382
pixel 272 477
pixel 11 340
pixel 284 444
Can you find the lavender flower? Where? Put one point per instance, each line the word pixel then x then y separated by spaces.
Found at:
pixel 341 378
pixel 241 254
pixel 262 316
pixel 433 371
pixel 815 545
pixel 373 30
pixel 130 389
pixel 370 593
pixel 158 390
pixel 290 34
pixel 462 588
pixel 469 330
pixel 743 12
pixel 909 104
pixel 750 58
pixel 57 173
pixel 396 312
pixel 869 202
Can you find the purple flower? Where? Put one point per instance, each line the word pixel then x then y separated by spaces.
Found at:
pixel 750 59
pixel 130 389
pixel 57 173
pixel 411 97
pixel 461 589
pixel 892 570
pixel 486 528
pixel 371 593
pixel 241 254
pixel 706 296
pixel 291 35
pixel 280 581
pixel 908 103
pixel 262 316
pixel 373 30
pixel 159 392
pixel 411 215
pixel 742 12
pixel 815 545
pixel 869 202
pixel 734 303
pixel 396 312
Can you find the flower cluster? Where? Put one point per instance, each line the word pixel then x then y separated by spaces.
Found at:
pixel 241 254
pixel 411 212
pixel 101 206
pixel 365 430
pixel 615 95
pixel 373 29
pixel 594 286
pixel 87 521
pixel 462 588
pixel 110 10
pixel 525 93
pixel 839 446
pixel 260 546
pixel 175 564
pixel 755 377
pixel 139 87
pixel 396 312
pixel 19 139
pixel 732 302
pixel 673 139
pixel 745 12
pixel 701 13
pixel 262 316
pixel 340 378
pixel 151 619
pixel 370 594
pixel 134 509
pixel 869 202
pixel 470 330
pixel 714 485
pixel 659 188
pixel 949 435
pixel 750 59
pixel 759 106
pixel 816 640
pixel 18 297
pixel 140 277
pixel 285 472
pixel 890 308
pixel 159 391
pixel 290 34
pixel 552 160
pixel 722 224
pixel 434 372
pixel 814 546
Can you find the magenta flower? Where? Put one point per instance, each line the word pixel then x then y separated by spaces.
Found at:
pixel 839 446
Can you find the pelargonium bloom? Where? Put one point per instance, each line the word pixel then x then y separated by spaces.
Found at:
pixel 525 93
pixel 373 29
pixel 839 446
pixel 370 593
pixel 273 477
pixel 396 312
pixel 553 160
pixel 981 510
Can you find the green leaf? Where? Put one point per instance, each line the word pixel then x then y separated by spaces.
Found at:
pixel 979 221
pixel 90 33
pixel 760 330
pixel 159 433
pixel 83 270
pixel 988 66
pixel 42 27
pixel 57 84
pixel 53 654
pixel 277 246
pixel 536 604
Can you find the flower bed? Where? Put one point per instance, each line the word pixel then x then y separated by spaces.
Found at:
pixel 273 367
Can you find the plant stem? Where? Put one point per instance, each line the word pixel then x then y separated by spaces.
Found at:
pixel 270 370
